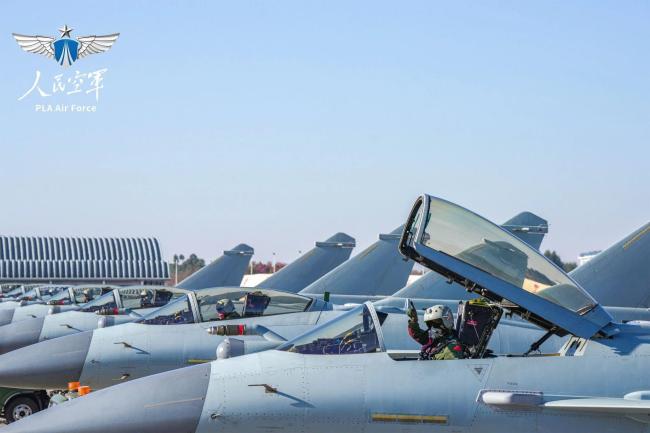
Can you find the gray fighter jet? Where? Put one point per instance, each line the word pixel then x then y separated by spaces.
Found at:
pixel 71 298
pixel 135 301
pixel 616 263
pixel 225 271
pixel 342 375
pixel 17 291
pixel 175 336
pixel 157 351
pixel 31 295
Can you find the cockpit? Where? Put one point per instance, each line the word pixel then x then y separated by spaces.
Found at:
pixel 16 292
pixel 356 331
pixel 79 295
pixel 209 305
pixel 493 263
pixel 103 303
pixel 133 297
pixel 42 293
pixel 507 274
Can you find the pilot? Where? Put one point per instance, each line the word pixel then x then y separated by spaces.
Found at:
pixel 85 297
pixel 438 340
pixel 146 298
pixel 226 310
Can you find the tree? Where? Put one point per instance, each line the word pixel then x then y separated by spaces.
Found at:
pixel 265 268
pixel 185 267
pixel 555 258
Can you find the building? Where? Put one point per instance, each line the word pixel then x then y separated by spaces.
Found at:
pixel 81 260
pixel 585 257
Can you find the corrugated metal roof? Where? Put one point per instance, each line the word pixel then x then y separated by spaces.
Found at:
pixel 68 258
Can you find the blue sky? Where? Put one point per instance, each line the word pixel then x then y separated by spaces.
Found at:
pixel 280 123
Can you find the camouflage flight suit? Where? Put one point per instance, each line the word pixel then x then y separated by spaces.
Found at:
pixel 435 346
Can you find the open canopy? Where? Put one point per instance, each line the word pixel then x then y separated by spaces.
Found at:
pixel 489 260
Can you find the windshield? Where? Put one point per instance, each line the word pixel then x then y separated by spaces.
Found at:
pixel 146 297
pixel 104 302
pixel 83 295
pixel 31 294
pixel 458 232
pixel 63 297
pixel 177 312
pixel 6 288
pixel 353 332
pixel 224 304
pixel 15 292
pixel 46 293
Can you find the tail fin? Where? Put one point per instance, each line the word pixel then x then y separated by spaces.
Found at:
pixel 312 265
pixel 227 270
pixel 528 227
pixel 620 275
pixel 378 270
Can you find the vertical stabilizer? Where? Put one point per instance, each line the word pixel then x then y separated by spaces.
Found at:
pixel 528 227
pixel 227 270
pixel 379 270
pixel 312 265
pixel 620 275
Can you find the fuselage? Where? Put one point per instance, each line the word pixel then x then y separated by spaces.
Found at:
pixel 135 350
pixel 373 392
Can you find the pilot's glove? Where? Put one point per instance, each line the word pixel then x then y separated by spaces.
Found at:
pixel 412 314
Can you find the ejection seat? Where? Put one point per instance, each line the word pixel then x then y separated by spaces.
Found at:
pixel 255 304
pixel 475 323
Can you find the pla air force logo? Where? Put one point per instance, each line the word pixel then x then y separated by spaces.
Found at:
pixel 66 91
pixel 66 50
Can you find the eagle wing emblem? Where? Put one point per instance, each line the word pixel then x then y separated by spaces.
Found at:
pixel 66 50
pixel 36 44
pixel 95 44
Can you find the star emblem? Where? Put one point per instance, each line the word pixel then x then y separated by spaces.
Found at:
pixel 65 31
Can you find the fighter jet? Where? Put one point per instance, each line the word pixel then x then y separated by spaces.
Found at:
pixel 512 336
pixel 175 336
pixel 8 287
pixel 121 305
pixel 154 349
pixel 69 299
pixel 31 295
pixel 227 269
pixel 17 291
pixel 341 375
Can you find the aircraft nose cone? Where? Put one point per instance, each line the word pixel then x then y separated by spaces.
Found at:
pixel 166 402
pixel 6 316
pixel 49 364
pixel 20 334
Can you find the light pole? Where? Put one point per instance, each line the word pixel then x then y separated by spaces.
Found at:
pixel 274 262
